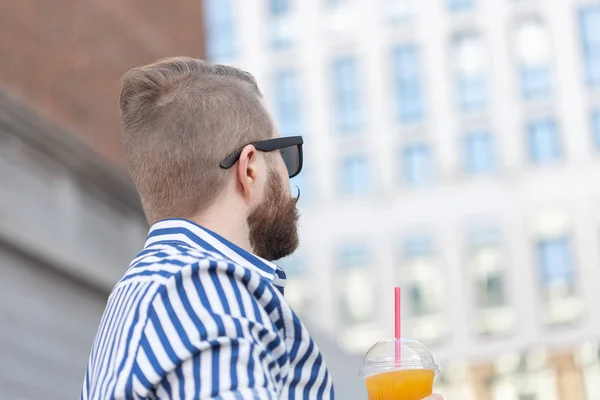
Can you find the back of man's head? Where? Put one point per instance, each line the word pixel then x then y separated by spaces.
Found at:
pixel 180 117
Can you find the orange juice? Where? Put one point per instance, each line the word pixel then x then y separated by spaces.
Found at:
pixel 411 384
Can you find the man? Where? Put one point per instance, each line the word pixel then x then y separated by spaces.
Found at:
pixel 200 312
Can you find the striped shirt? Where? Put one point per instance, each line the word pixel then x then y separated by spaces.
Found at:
pixel 196 317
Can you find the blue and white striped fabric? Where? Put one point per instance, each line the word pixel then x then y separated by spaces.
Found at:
pixel 196 317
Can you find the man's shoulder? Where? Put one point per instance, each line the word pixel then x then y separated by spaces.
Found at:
pixel 186 275
pixel 202 289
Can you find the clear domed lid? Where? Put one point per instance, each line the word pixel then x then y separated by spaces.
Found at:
pixel 382 357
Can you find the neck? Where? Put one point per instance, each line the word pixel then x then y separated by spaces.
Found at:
pixel 227 223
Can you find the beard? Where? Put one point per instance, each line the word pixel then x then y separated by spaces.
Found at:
pixel 273 224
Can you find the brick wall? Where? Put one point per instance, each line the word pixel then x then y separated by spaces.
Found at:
pixel 65 57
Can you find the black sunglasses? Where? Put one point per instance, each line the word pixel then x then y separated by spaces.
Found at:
pixel 291 152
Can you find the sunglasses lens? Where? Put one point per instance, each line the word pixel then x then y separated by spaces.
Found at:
pixel 291 158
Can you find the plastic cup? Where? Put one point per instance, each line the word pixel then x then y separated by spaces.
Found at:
pixel 399 369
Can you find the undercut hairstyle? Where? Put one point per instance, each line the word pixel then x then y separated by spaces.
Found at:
pixel 180 117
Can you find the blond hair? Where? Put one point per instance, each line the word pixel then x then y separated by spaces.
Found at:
pixel 180 117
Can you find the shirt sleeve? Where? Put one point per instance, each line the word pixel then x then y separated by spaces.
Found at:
pixel 198 378
pixel 209 335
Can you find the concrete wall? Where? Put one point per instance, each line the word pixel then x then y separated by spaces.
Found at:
pixel 70 225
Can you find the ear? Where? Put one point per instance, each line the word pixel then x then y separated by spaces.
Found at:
pixel 246 171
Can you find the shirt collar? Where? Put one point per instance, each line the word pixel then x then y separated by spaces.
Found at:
pixel 196 236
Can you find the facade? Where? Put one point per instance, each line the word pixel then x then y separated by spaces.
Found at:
pixel 451 148
pixel 70 219
pixel 70 225
pixel 65 59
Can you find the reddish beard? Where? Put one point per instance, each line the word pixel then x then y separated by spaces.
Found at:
pixel 273 224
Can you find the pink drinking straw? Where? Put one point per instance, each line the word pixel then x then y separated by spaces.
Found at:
pixel 397 325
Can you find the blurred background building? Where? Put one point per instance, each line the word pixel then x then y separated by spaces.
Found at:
pixel 70 219
pixel 453 148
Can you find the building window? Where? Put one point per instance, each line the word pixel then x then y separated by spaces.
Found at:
pixel 544 146
pixel 280 25
pixel 590 37
pixel 408 87
pixel 555 264
pixel 470 72
pixel 335 3
pixel 460 5
pixel 422 300
pixel 489 279
pixel 220 36
pixel 417 300
pixel 278 7
pixel 555 260
pixel 424 287
pixel 417 164
pixel 419 304
pixel 534 62
pixel 292 265
pixel 490 291
pixel 353 256
pixel 417 246
pixel 298 290
pixel 558 282
pixel 479 153
pixel 358 295
pixel 399 12
pixel 348 106
pixel 287 103
pixel 596 127
pixel 355 175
